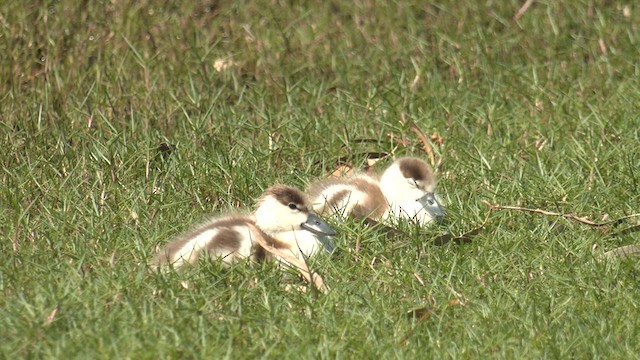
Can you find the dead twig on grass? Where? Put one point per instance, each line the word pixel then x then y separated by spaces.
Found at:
pixel 577 218
pixel 622 252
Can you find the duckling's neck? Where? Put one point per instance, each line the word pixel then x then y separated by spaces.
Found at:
pixel 276 239
pixel 271 230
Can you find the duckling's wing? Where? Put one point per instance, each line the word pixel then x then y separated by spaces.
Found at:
pixel 358 196
pixel 219 236
pixel 322 195
pixel 372 203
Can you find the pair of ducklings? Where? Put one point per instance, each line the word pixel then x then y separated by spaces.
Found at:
pixel 286 219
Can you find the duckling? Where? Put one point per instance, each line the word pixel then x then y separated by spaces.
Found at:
pixel 405 190
pixel 283 218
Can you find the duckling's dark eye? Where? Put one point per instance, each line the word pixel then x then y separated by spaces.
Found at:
pixel 292 206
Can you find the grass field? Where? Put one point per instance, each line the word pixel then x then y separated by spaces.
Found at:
pixel 541 111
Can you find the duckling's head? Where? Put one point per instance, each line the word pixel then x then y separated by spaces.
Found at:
pixel 411 179
pixel 284 208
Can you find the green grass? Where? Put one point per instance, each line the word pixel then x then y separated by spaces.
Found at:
pixel 538 112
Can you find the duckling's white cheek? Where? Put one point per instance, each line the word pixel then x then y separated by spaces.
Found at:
pixel 292 221
pixel 272 215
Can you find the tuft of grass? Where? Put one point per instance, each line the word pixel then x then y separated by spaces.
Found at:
pixel 538 112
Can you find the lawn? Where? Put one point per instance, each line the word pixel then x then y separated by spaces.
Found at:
pixel 123 125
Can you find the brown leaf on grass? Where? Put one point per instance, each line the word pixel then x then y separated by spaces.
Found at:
pixel 343 166
pixel 342 170
pixel 456 302
pixel 373 158
pixel 372 161
pixel 52 316
pixel 221 65
pixel 301 266
pixel 420 313
pixel 436 138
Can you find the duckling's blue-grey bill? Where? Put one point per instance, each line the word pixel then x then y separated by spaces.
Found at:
pixel 433 207
pixel 318 226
